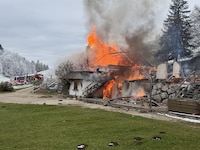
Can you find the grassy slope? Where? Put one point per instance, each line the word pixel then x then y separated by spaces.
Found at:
pixel 34 127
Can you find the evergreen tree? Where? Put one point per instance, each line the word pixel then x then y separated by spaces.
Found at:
pixel 195 17
pixel 175 41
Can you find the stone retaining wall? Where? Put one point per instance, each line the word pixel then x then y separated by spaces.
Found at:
pixel 162 91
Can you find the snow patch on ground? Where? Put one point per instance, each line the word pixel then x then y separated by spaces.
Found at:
pixel 181 118
pixel 184 119
pixel 22 86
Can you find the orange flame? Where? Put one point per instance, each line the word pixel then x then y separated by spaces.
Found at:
pixel 141 93
pixel 136 75
pixel 104 54
pixel 107 91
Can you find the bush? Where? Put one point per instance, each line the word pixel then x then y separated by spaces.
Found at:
pixel 6 87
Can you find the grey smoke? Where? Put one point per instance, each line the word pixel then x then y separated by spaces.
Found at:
pixel 127 23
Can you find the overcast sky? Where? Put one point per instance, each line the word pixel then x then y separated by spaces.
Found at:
pixel 46 30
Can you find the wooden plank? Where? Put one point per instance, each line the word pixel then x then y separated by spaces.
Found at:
pixel 184 106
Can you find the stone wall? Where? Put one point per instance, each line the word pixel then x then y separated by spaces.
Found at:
pixel 162 91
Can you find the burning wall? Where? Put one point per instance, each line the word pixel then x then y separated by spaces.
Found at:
pixel 136 88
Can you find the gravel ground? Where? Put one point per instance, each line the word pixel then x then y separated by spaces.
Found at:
pixel 26 96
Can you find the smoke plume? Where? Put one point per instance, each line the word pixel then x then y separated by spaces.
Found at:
pixel 126 23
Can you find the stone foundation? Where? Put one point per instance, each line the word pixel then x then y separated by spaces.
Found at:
pixel 162 91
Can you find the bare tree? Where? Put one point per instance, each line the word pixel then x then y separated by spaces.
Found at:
pixel 63 70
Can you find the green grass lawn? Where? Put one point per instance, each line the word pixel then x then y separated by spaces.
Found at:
pixel 42 127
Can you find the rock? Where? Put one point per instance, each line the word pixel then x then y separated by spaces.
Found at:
pixel 113 144
pixel 171 85
pixel 165 88
pixel 164 95
pixel 154 92
pixel 159 85
pixel 169 91
pixel 156 138
pixel 155 87
pixel 176 86
pixel 157 98
pixel 82 146
pixel 158 91
pixel 172 96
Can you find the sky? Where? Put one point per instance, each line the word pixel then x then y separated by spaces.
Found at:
pixel 48 30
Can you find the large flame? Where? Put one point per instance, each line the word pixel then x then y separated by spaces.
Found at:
pixel 107 91
pixel 103 54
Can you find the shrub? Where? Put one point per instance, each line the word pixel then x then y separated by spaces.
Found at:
pixel 6 87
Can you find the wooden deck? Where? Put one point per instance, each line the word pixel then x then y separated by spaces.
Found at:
pixel 184 106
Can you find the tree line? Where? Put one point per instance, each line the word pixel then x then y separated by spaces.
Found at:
pixel 12 64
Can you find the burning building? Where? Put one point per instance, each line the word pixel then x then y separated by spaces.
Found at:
pixel 116 52
pixel 109 72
